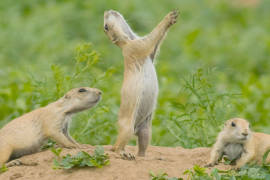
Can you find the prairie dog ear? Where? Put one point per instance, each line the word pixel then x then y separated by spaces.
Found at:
pixel 67 96
pixel 227 123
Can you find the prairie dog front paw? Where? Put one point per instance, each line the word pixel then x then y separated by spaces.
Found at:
pixel 172 17
pixel 210 164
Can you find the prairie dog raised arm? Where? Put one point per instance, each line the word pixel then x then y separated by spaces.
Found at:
pixel 140 86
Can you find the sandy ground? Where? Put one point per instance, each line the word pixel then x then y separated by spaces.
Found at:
pixel 173 161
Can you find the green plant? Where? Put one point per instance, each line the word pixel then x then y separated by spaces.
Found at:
pixel 50 144
pixel 197 173
pixel 84 73
pixel 247 172
pixel 162 176
pixel 81 159
pixel 3 169
pixel 202 111
pixel 56 151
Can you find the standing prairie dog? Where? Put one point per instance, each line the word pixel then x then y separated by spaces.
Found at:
pixel 239 143
pixel 26 134
pixel 140 86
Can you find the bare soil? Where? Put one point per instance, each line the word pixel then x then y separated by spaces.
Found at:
pixel 173 161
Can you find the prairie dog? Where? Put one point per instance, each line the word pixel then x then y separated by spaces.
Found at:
pixel 140 86
pixel 26 134
pixel 239 143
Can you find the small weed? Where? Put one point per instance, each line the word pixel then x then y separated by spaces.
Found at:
pixel 3 169
pixel 197 173
pixel 162 176
pixel 81 159
pixel 56 151
pixel 247 172
pixel 202 110
pixel 50 143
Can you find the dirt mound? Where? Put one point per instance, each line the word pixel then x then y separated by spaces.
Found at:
pixel 173 161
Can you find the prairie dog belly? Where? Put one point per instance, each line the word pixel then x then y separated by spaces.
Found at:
pixel 233 151
pixel 148 94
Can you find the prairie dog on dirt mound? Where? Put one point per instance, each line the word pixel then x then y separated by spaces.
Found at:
pixel 140 86
pixel 239 143
pixel 26 134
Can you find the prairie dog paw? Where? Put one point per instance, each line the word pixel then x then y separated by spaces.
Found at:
pixel 234 167
pixel 18 162
pixel 113 149
pixel 127 156
pixel 84 146
pixel 209 165
pixel 117 149
pixel 172 17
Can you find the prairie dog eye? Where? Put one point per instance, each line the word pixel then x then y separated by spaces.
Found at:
pixel 106 27
pixel 82 90
pixel 233 124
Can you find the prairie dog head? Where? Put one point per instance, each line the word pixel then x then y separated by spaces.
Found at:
pixel 237 130
pixel 80 99
pixel 116 28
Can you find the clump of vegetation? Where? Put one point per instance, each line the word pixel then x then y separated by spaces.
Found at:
pixel 86 127
pixel 81 159
pixel 203 110
pixel 50 144
pixel 162 176
pixel 197 173
pixel 3 169
pixel 247 172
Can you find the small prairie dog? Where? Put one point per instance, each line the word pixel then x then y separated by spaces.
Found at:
pixel 239 143
pixel 140 86
pixel 26 134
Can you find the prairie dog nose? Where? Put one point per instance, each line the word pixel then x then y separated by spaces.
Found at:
pixel 99 92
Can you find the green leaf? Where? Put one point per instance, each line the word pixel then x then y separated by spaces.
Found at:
pixel 50 143
pixel 56 151
pixel 99 150
pixel 3 169
pixel 81 159
pixel 215 174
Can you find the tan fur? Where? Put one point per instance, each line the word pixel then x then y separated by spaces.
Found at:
pixel 253 144
pixel 140 88
pixel 25 135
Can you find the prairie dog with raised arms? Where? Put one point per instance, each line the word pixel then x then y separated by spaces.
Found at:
pixel 140 86
pixel 239 143
pixel 26 134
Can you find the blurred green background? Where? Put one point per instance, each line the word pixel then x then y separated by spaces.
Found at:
pixel 213 65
